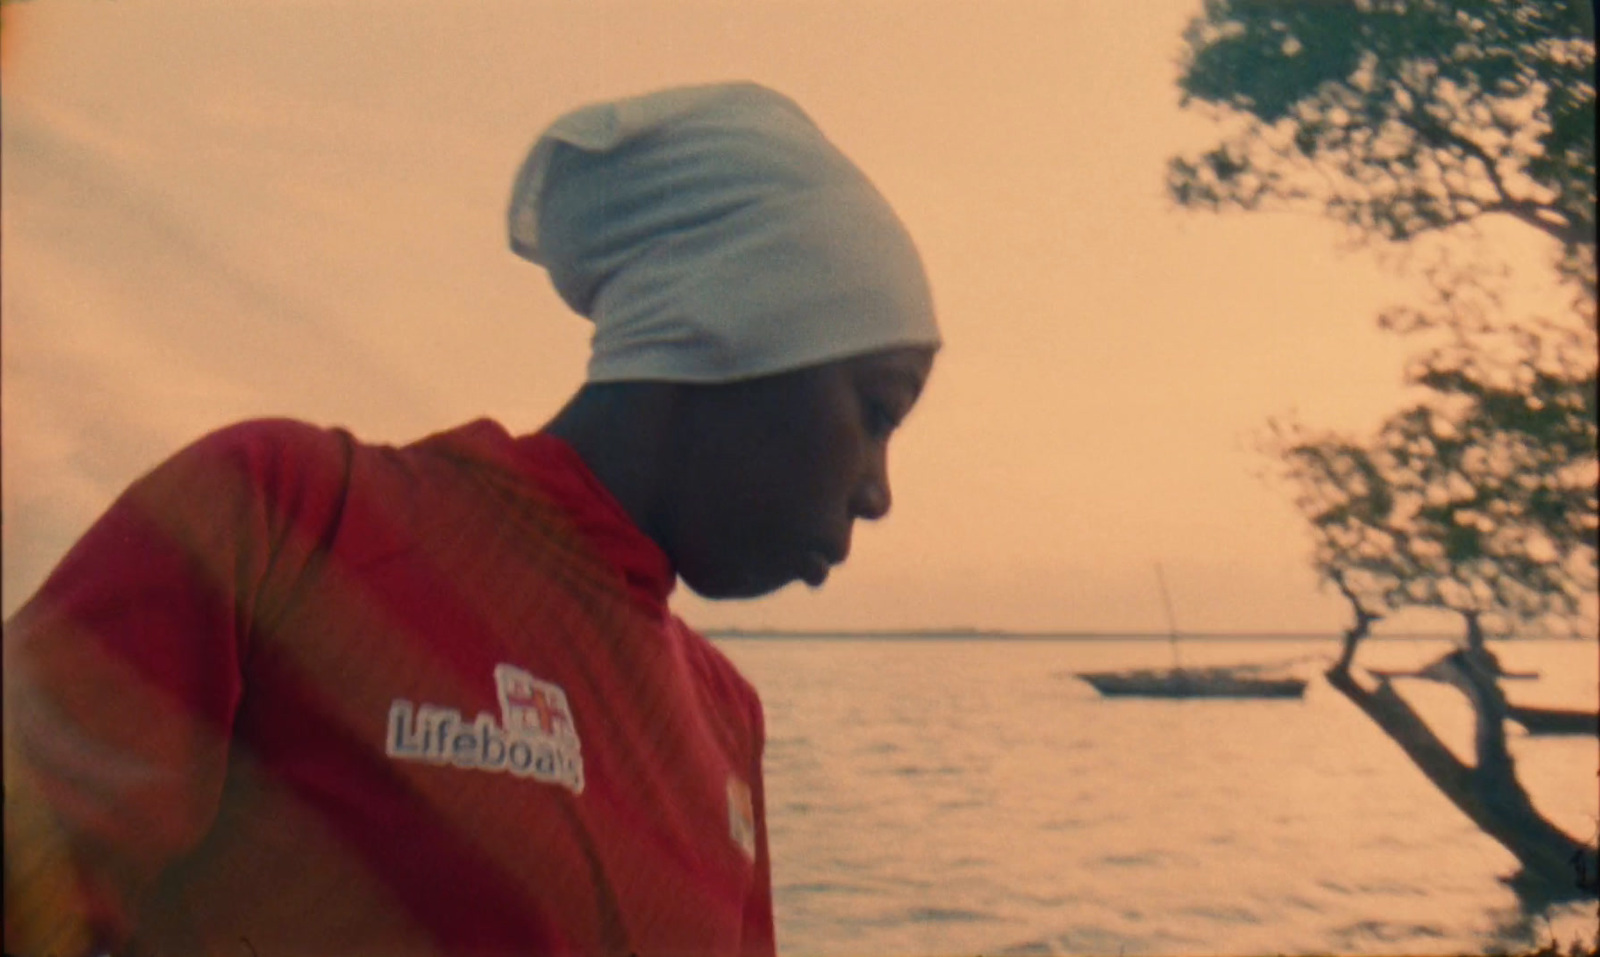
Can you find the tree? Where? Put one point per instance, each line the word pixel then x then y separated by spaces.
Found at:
pixel 1413 123
pixel 1478 500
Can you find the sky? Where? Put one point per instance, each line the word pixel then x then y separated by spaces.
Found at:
pixel 223 209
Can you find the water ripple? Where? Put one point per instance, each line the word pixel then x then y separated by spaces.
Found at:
pixel 1227 915
pixel 825 887
pixel 925 915
pixel 1386 932
pixel 1131 860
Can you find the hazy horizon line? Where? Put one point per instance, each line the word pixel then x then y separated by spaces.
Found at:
pixel 1090 635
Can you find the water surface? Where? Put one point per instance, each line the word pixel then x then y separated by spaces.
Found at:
pixel 971 796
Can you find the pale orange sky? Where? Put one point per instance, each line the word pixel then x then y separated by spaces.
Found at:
pixel 216 209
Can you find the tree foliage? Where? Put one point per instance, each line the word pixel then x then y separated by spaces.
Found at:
pixel 1400 117
pixel 1410 120
pixel 1478 498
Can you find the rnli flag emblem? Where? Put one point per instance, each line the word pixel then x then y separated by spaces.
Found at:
pixel 741 816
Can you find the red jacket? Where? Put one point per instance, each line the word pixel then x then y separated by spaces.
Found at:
pixel 297 695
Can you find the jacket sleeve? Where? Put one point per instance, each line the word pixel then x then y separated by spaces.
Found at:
pixel 123 673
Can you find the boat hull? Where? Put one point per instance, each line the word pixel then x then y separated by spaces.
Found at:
pixel 1192 683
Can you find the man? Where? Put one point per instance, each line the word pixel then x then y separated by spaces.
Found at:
pixel 295 694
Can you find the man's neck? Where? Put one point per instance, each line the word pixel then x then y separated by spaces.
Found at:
pixel 620 431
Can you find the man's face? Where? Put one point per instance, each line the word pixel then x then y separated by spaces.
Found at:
pixel 769 475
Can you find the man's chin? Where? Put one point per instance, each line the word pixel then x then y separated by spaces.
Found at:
pixel 736 586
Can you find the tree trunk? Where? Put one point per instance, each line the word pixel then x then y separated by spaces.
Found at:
pixel 1347 655
pixel 1555 865
pixel 1356 632
pixel 1477 650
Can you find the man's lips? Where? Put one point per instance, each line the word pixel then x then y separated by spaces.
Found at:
pixel 818 560
pixel 814 568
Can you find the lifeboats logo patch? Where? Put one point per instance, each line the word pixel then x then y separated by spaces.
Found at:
pixel 534 738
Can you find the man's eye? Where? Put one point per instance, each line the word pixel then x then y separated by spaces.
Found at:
pixel 880 420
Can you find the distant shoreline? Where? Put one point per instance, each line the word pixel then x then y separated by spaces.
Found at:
pixel 962 634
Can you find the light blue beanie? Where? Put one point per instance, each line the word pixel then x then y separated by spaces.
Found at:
pixel 712 234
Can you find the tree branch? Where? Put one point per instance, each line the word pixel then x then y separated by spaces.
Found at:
pixel 1489 796
pixel 1538 216
pixel 1433 132
pixel 1395 717
pixel 1357 631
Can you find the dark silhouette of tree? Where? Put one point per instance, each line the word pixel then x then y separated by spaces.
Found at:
pixel 1413 123
pixel 1400 117
pixel 1479 499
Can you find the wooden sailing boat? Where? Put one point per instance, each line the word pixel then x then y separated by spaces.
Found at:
pixel 1238 681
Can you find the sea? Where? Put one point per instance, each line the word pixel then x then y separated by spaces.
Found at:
pixel 963 794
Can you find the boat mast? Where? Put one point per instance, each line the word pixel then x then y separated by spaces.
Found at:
pixel 1172 621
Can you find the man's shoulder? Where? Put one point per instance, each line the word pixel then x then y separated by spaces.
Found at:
pixel 270 437
pixel 281 439
pixel 719 672
pixel 477 439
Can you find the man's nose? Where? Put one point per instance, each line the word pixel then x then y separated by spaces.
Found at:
pixel 872 498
